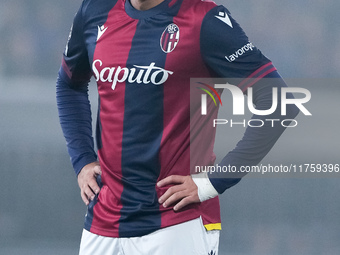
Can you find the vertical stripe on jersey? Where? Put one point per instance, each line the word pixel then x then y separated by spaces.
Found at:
pixel 111 116
pixel 91 42
pixel 99 128
pixel 177 103
pixel 142 133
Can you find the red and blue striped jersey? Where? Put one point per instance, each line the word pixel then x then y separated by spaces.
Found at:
pixel 142 62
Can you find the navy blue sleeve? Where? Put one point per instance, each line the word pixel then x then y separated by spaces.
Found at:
pixel 257 141
pixel 72 98
pixel 226 49
pixel 228 52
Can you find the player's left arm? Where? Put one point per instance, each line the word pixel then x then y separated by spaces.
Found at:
pixel 228 52
pixel 249 151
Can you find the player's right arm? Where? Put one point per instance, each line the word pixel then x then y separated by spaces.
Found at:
pixel 75 111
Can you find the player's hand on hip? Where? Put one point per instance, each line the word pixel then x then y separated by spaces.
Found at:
pixel 87 181
pixel 183 192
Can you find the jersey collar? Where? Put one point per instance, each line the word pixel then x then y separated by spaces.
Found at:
pixel 136 14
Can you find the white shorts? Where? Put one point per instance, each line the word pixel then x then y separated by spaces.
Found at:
pixel 189 238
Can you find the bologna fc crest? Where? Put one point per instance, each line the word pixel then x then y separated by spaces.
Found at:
pixel 170 38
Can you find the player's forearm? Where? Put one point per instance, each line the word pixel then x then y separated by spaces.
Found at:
pixel 76 122
pixel 256 142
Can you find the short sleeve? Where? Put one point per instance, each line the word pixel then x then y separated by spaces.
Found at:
pixel 226 49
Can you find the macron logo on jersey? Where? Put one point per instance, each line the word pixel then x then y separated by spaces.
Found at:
pixel 101 31
pixel 223 16
pixel 137 74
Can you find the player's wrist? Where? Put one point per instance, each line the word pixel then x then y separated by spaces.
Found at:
pixel 205 189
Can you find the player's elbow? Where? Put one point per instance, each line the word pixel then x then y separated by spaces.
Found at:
pixel 292 111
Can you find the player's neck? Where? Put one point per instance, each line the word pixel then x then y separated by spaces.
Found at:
pixel 143 5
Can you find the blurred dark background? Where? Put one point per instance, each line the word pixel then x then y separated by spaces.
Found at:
pixel 41 211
